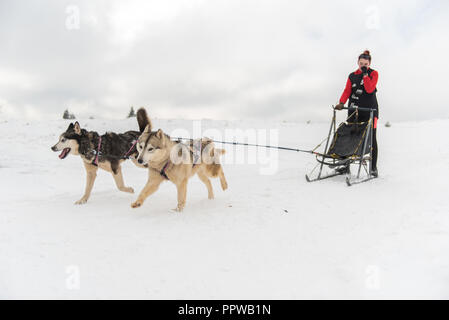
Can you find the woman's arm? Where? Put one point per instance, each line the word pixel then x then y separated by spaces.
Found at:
pixel 370 82
pixel 347 92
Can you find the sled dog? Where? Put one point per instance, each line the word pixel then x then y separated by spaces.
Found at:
pixel 173 161
pixel 106 152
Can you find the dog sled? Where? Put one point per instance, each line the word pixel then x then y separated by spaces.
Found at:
pixel 350 148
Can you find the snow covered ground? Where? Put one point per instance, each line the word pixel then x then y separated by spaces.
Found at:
pixel 269 236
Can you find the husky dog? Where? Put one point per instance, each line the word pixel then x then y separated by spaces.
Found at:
pixel 174 161
pixel 106 152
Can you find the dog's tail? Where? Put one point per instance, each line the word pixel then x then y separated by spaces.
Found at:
pixel 215 169
pixel 218 152
pixel 143 120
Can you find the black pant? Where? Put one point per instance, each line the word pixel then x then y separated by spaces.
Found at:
pixel 364 116
pixel 374 161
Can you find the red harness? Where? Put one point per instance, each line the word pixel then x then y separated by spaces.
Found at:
pixel 132 147
pixel 95 162
pixel 98 152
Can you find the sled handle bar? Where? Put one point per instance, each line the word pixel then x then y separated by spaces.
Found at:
pixel 357 108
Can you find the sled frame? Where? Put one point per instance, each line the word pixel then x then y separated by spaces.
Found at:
pixel 363 161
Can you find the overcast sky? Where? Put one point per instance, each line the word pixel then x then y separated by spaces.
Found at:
pixel 221 59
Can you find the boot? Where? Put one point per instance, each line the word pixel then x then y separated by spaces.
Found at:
pixel 343 170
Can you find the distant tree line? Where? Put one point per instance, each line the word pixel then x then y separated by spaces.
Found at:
pixel 67 115
pixel 70 116
pixel 131 113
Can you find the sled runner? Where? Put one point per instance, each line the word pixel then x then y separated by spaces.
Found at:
pixel 351 145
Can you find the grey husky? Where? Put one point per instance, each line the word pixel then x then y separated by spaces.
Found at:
pixel 106 151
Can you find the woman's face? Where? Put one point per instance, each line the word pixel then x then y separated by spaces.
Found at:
pixel 364 63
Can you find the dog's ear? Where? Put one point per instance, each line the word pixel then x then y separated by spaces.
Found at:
pixel 77 128
pixel 70 128
pixel 160 134
pixel 147 129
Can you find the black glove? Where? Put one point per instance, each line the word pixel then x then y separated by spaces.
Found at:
pixel 364 70
pixel 339 106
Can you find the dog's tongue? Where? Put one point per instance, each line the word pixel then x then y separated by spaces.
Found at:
pixel 63 153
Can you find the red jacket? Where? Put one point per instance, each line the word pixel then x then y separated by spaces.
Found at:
pixel 369 82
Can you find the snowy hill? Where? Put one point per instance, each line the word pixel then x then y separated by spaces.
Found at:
pixel 268 236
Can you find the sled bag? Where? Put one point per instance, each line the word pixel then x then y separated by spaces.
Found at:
pixel 348 141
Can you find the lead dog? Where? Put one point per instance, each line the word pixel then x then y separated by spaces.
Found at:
pixel 176 162
pixel 106 152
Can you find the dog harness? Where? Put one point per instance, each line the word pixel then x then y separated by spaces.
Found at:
pixel 162 172
pixel 164 168
pixel 98 152
pixel 129 151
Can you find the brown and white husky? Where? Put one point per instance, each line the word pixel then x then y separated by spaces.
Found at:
pixel 173 161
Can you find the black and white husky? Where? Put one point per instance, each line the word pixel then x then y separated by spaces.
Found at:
pixel 106 152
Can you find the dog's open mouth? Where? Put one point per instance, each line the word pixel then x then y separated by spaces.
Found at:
pixel 65 152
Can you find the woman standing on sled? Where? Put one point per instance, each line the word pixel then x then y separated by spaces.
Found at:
pixel 361 91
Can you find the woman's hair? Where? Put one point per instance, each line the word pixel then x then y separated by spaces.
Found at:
pixel 365 55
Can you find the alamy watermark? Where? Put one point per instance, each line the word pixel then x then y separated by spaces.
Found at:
pixel 372 277
pixel 205 146
pixel 73 278
pixel 72 21
pixel 372 21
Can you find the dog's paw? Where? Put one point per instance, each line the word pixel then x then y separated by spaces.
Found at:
pixel 136 204
pixel 177 209
pixel 81 201
pixel 210 197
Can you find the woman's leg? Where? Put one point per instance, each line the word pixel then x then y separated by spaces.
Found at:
pixel 374 162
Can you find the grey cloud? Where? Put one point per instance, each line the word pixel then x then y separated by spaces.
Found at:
pixel 214 59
